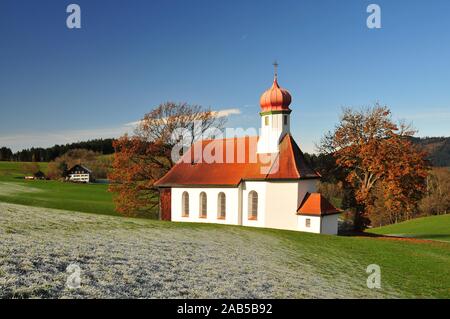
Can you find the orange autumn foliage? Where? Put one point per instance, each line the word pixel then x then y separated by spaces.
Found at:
pixel 136 166
pixel 141 159
pixel 377 154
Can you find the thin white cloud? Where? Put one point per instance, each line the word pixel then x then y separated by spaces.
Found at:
pixel 226 112
pixel 218 114
pixel 133 124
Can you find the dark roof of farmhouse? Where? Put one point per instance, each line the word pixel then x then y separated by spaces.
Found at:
pixel 236 160
pixel 79 167
pixel 39 174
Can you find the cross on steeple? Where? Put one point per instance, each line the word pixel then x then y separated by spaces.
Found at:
pixel 275 67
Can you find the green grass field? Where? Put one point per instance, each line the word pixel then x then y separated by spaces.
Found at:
pixel 431 227
pixel 89 198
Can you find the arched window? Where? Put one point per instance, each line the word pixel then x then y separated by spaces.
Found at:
pixel 221 205
pixel 203 205
pixel 185 204
pixel 252 205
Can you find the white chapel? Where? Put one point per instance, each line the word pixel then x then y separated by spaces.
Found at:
pixel 261 181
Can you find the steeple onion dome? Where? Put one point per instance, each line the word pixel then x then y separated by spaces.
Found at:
pixel 275 98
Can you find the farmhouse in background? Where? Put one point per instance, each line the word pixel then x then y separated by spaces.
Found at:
pixel 38 175
pixel 80 174
pixel 260 181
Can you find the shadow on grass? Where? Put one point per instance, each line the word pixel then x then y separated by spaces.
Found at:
pixel 360 234
pixel 418 238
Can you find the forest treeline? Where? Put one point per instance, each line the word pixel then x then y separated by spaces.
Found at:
pixel 438 149
pixel 39 154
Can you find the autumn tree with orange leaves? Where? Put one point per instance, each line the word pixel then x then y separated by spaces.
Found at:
pixel 383 169
pixel 145 156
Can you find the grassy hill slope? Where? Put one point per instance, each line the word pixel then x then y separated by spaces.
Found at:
pixel 14 169
pixel 91 198
pixel 125 257
pixel 431 227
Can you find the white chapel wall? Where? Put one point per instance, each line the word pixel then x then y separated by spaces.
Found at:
pixel 232 207
pixel 313 226
pixel 272 133
pixel 260 189
pixel 281 205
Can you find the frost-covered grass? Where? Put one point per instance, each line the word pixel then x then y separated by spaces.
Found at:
pixel 136 258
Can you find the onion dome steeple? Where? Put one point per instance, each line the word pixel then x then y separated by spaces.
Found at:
pixel 275 98
pixel 275 117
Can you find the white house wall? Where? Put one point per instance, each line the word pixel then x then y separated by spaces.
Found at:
pixel 283 200
pixel 330 224
pixel 231 198
pixel 271 134
pixel 321 225
pixel 79 178
pixel 277 206
pixel 314 224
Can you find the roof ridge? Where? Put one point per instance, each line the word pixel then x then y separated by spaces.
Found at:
pixel 291 148
pixel 295 147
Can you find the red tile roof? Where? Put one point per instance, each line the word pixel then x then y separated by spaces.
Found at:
pixel 288 164
pixel 317 205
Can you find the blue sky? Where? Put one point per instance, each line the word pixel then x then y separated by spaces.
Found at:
pixel 59 85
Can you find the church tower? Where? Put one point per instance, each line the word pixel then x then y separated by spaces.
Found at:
pixel 275 116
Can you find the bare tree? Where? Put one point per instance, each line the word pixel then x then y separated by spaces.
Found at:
pixel 161 123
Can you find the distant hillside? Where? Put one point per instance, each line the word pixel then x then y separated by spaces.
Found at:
pixel 39 154
pixel 438 149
